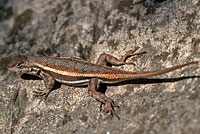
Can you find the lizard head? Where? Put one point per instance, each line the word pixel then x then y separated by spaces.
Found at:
pixel 17 63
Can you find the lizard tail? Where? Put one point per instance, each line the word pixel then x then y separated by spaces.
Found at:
pixel 154 73
pixel 129 75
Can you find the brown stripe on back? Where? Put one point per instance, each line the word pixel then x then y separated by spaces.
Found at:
pixel 76 65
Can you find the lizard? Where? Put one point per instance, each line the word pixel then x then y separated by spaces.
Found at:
pixel 78 72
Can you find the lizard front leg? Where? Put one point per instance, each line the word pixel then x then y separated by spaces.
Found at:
pixel 104 58
pixel 49 83
pixel 108 103
pixel 48 80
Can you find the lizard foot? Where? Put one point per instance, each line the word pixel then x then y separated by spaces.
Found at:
pixel 108 107
pixel 39 92
pixel 131 53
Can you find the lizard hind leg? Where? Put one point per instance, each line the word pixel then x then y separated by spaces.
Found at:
pixel 105 59
pixel 106 101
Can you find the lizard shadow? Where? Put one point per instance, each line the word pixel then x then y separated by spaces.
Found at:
pixel 103 87
pixel 30 77
pixel 33 77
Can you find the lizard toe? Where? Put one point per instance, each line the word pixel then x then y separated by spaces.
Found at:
pixel 109 108
pixel 39 92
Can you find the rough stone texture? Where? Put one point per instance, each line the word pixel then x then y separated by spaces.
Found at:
pixel 168 30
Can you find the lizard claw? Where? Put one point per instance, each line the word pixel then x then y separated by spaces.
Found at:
pixel 132 53
pixel 130 63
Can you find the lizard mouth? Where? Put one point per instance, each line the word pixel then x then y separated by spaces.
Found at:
pixel 18 71
pixel 15 62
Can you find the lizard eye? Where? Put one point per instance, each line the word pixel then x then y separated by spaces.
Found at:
pixel 19 65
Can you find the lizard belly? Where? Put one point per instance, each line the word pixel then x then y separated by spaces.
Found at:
pixel 74 82
pixel 70 80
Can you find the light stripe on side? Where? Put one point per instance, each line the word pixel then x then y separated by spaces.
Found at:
pixel 74 74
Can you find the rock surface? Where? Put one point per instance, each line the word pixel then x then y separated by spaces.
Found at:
pixel 168 30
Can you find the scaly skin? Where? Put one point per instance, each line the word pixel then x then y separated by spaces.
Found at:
pixel 76 72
